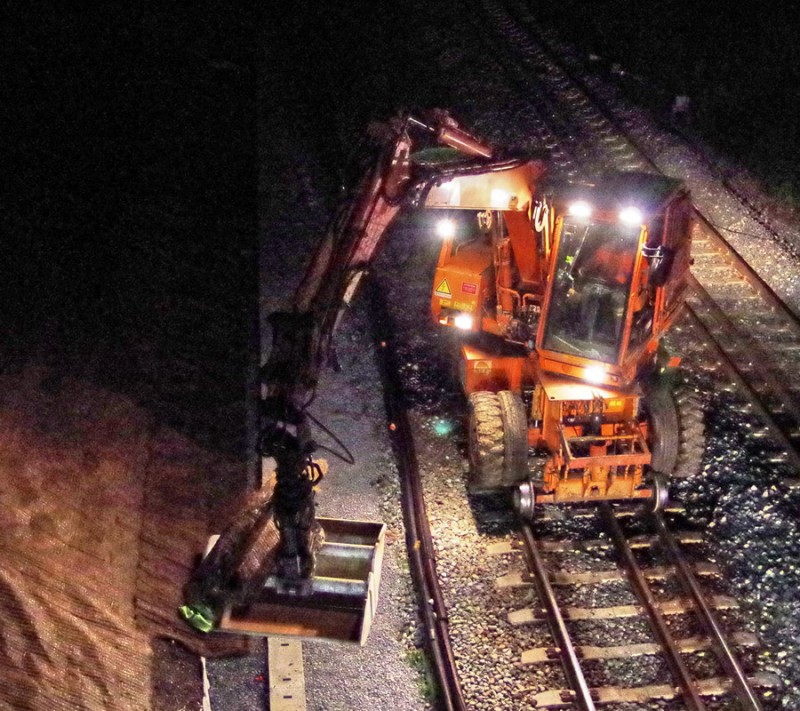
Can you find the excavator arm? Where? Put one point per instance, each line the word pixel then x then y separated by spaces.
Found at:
pixel 301 341
pixel 301 338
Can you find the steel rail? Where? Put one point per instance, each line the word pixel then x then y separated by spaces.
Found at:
pixel 759 358
pixel 609 114
pixel 749 274
pixel 419 542
pixel 720 645
pixel 680 673
pixel 555 619
pixel 741 380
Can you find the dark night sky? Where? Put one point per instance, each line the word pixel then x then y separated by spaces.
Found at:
pixel 131 195
pixel 131 112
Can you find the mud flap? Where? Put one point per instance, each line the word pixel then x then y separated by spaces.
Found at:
pixel 344 595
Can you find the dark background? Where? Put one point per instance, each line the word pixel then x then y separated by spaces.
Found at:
pixel 130 206
pixel 738 62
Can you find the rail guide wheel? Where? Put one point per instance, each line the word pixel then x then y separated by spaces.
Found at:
pixel 660 499
pixel 525 500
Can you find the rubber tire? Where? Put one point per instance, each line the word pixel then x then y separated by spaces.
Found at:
pixel 515 437
pixel 485 445
pixel 677 432
pixel 498 440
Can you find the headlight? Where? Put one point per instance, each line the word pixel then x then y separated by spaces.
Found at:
pixel 500 199
pixel 446 229
pixel 631 216
pixel 463 321
pixel 594 374
pixel 580 209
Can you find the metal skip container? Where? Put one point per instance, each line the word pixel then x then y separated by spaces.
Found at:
pixel 344 597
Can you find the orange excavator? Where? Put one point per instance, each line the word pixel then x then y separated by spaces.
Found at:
pixel 564 302
pixel 562 293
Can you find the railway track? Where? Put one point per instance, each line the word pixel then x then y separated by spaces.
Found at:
pixel 752 335
pixel 419 541
pixel 688 683
pixel 560 114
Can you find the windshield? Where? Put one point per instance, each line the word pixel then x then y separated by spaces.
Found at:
pixel 593 273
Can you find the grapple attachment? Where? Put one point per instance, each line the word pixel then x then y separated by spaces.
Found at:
pixel 235 589
pixel 344 591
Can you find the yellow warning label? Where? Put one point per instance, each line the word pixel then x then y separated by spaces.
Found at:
pixel 444 289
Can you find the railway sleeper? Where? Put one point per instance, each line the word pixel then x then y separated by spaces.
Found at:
pixel 524 579
pixel 688 645
pixel 565 546
pixel 715 686
pixel 676 606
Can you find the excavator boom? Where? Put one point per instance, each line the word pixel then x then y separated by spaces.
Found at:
pixel 283 527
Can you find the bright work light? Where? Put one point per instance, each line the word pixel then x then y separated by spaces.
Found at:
pixel 446 229
pixel 500 199
pixel 631 216
pixel 463 321
pixel 594 374
pixel 580 209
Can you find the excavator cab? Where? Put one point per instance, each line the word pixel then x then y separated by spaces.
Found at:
pixel 617 277
pixel 590 288
pixel 616 283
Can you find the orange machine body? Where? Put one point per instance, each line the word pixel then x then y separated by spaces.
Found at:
pixel 567 310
